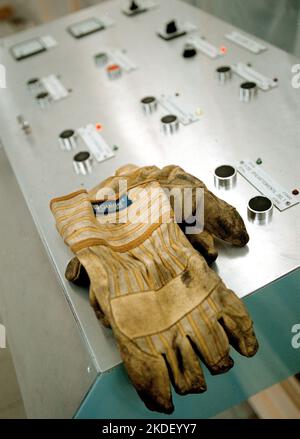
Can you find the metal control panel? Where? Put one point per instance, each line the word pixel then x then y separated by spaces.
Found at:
pixel 171 85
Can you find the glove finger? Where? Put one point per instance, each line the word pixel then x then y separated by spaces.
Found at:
pixel 149 375
pixel 237 324
pixel 224 221
pixel 77 274
pixel 208 339
pixel 183 365
pixel 205 245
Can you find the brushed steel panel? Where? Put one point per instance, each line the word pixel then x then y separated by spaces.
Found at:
pixel 227 132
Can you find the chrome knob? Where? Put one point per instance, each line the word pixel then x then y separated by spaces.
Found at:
pixel 260 210
pixel 33 84
pixel 114 71
pixel 248 90
pixel 224 74
pixel 170 124
pixel 101 59
pixel 82 163
pixel 149 104
pixel 225 177
pixel 43 99
pixel 67 140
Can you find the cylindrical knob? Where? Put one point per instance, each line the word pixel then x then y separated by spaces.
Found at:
pixel 260 210
pixel 33 84
pixel 82 163
pixel 248 91
pixel 149 104
pixel 170 124
pixel 43 99
pixel 114 71
pixel 101 59
pixel 67 140
pixel 189 51
pixel 171 27
pixel 224 74
pixel 225 177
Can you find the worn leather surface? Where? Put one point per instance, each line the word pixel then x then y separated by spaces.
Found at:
pixel 166 307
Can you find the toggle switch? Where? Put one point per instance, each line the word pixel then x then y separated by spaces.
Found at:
pixel 101 59
pixel 43 99
pixel 248 90
pixel 114 71
pixel 171 27
pixel 170 124
pixel 260 210
pixel 134 6
pixel 224 74
pixel 189 51
pixel 82 163
pixel 149 104
pixel 67 140
pixel 225 177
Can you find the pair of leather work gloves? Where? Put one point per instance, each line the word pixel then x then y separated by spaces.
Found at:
pixel 152 284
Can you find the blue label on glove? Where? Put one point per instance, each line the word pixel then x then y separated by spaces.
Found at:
pixel 112 206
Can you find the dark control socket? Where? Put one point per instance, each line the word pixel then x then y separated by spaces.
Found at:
pixel 260 210
pixel 225 177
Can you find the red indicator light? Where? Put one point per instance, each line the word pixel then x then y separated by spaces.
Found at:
pixel 223 49
pixel 99 127
pixel 113 67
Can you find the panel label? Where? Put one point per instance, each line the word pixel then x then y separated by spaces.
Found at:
pixel 205 47
pixel 119 57
pixel 246 72
pixel 95 143
pixel 266 185
pixel 246 42
pixel 54 87
pixel 175 105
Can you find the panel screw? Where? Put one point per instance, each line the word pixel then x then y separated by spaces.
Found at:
pixel 259 161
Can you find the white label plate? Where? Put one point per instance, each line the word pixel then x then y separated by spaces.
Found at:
pixel 246 42
pixel 95 143
pixel 266 185
pixel 205 47
pixel 174 105
pixel 117 56
pixel 54 87
pixel 250 74
pixel 48 41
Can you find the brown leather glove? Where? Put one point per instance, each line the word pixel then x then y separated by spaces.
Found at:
pixel 162 301
pixel 220 219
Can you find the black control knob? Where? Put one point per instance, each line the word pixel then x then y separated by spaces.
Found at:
pixel 171 27
pixel 134 6
pixel 189 51
pixel 67 140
